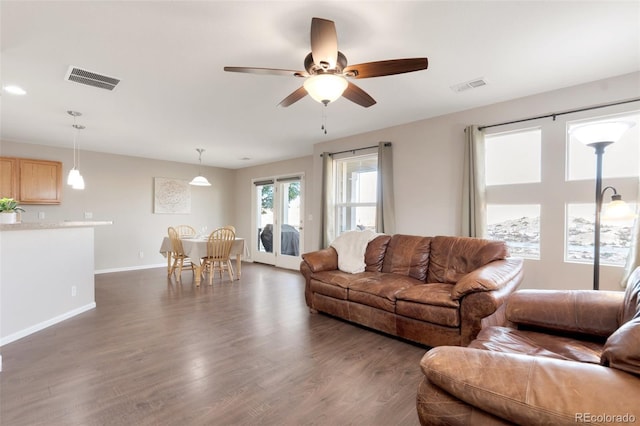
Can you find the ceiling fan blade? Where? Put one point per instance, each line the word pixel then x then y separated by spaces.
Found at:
pixel 359 96
pixel 324 43
pixel 390 67
pixel 294 97
pixel 267 71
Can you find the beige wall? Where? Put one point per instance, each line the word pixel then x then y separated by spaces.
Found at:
pixel 428 157
pixel 120 188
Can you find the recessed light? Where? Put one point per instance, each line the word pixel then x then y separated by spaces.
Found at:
pixel 245 158
pixel 15 90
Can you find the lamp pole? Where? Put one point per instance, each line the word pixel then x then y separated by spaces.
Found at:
pixel 599 135
pixel 599 147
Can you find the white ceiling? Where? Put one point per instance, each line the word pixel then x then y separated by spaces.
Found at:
pixel 175 97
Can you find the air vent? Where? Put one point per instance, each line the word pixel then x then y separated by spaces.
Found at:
pixel 473 84
pixel 91 78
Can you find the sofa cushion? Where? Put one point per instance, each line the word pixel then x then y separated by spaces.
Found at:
pixel 335 277
pixel 509 340
pixel 374 256
pixel 631 302
pixel 408 255
pixel 622 349
pixel 440 315
pixel 435 294
pixel 331 290
pixel 334 283
pixel 453 257
pixel 379 289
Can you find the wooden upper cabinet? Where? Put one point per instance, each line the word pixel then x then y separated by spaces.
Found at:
pixel 8 177
pixel 31 181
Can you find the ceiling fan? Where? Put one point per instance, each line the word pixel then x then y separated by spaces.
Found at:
pixel 327 73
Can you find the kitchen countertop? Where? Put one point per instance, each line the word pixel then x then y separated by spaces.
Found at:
pixel 23 226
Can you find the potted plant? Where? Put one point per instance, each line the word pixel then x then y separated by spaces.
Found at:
pixel 8 210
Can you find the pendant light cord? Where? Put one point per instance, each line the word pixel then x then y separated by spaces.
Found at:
pixel 75 139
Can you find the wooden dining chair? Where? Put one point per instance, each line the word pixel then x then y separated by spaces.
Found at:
pixel 186 231
pixel 219 253
pixel 180 259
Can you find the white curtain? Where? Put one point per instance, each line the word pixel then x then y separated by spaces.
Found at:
pixel 385 206
pixel 633 261
pixel 327 227
pixel 474 223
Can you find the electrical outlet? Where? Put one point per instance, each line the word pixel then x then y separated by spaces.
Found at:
pixel 141 254
pixel 88 215
pixel 40 215
pixel 74 291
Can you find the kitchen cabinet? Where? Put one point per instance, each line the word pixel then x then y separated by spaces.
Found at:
pixel 8 177
pixel 31 181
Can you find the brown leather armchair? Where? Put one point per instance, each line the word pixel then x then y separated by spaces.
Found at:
pixel 564 357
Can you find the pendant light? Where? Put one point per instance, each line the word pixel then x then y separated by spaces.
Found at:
pixel 75 179
pixel 200 180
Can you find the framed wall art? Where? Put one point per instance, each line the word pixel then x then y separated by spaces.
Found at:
pixel 171 196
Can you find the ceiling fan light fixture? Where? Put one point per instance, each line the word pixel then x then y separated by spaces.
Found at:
pixel 325 88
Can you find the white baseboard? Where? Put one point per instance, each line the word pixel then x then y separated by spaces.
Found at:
pixel 129 268
pixel 139 267
pixel 44 324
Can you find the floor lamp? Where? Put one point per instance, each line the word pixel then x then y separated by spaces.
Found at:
pixel 599 136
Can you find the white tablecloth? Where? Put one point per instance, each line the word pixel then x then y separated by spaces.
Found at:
pixel 196 248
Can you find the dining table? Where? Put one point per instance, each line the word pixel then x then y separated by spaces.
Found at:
pixel 196 249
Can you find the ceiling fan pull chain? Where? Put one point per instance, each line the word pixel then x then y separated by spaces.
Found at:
pixel 324 119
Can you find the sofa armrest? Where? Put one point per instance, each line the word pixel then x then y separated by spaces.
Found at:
pixel 579 311
pixel 492 276
pixel 485 307
pixel 321 260
pixel 523 389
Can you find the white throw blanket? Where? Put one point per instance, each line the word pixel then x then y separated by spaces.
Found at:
pixel 351 247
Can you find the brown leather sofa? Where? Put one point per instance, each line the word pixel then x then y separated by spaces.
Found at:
pixel 567 357
pixel 430 290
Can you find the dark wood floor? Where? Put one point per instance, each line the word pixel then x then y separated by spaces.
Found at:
pixel 155 352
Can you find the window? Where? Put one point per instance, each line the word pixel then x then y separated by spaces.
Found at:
pixel 620 167
pixel 518 225
pixel 615 236
pixel 540 186
pixel 513 157
pixel 356 187
pixel 512 162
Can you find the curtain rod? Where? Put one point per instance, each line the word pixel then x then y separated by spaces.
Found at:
pixel 357 149
pixel 554 115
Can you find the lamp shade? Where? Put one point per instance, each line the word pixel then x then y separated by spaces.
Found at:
pixel 325 88
pixel 73 176
pixel 79 182
pixel 618 210
pixel 199 181
pixel 606 131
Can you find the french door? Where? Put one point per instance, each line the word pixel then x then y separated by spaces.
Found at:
pixel 277 238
